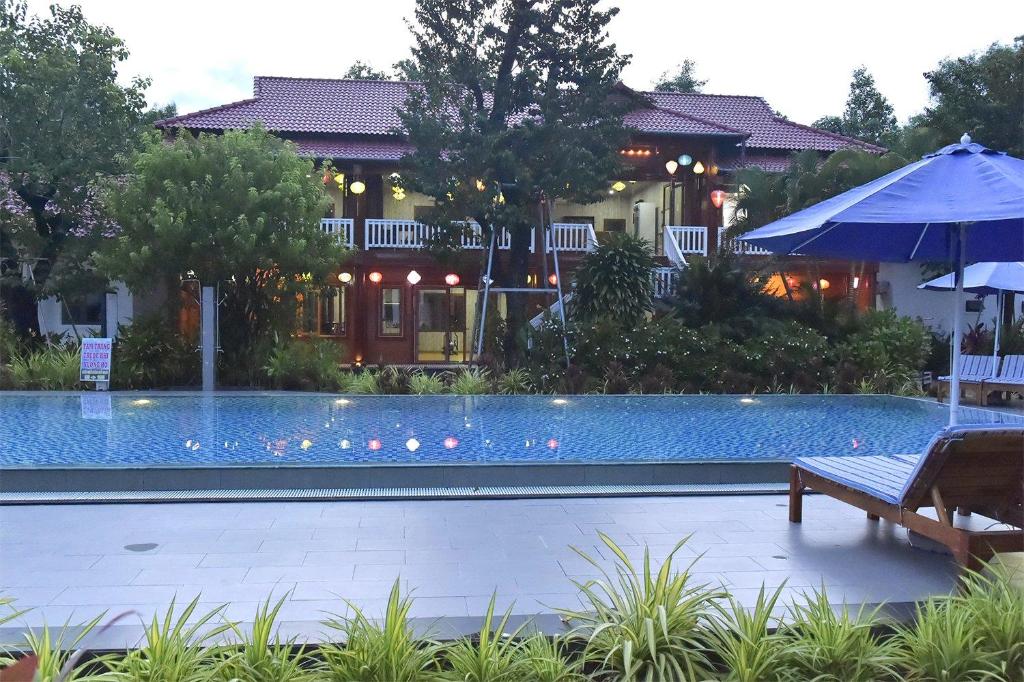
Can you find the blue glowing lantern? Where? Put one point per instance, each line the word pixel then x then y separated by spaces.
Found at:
pixel 685 160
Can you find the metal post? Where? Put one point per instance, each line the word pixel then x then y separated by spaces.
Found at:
pixel 208 336
pixel 110 315
pixel 999 321
pixel 487 292
pixel 958 312
pixel 558 286
pixel 672 200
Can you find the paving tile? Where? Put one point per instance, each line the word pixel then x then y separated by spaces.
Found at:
pixel 302 573
pixel 148 560
pixel 367 557
pixel 84 577
pixel 179 576
pixel 251 559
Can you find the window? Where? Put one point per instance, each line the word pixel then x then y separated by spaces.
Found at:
pixel 614 225
pixel 323 313
pixel 86 309
pixel 391 312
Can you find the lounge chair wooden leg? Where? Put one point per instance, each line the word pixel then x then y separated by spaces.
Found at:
pixel 796 496
pixel 963 511
pixel 873 517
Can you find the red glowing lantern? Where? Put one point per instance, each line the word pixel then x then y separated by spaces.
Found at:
pixel 376 277
pixel 450 442
pixel 718 198
pixel 552 280
pixel 375 444
pixel 552 444
pixel 451 279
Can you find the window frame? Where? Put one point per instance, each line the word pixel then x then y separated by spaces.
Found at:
pixel 401 312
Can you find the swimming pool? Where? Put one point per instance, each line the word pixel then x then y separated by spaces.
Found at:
pixel 99 431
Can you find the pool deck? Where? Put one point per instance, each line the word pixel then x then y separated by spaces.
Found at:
pixel 71 562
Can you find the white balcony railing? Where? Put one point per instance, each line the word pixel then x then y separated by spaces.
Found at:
pixel 341 228
pixel 664 281
pixel 571 237
pixel 388 233
pixel 739 247
pixel 689 239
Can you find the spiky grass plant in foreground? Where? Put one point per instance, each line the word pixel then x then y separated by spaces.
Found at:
pixel 178 648
pixel 743 643
pixel 422 383
pixel 941 645
pixel 373 652
pixel 995 605
pixel 514 382
pixel 55 652
pixel 834 645
pixel 644 625
pixel 263 656
pixel 545 660
pixel 471 381
pixel 495 656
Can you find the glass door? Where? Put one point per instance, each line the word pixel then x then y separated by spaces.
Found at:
pixel 440 324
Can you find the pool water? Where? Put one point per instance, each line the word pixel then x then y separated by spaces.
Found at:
pixel 127 430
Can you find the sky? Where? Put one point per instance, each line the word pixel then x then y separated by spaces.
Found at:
pixel 796 54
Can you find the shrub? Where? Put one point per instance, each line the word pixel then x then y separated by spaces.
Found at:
pixel 471 381
pixel 423 383
pixel 378 652
pixel 995 609
pixel 366 382
pixel 492 656
pixel 50 368
pixel 150 353
pixel 393 381
pixel 305 364
pixel 615 280
pixel 642 624
pixel 742 640
pixel 54 652
pixel 262 655
pixel 514 382
pixel 887 349
pixel 943 646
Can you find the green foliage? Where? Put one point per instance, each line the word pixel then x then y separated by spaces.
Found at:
pixel 360 70
pixel 514 382
pixel 54 367
pixel 393 381
pixel 471 381
pixel 54 652
pixel 546 660
pixel 493 656
pixel 723 292
pixel 742 640
pixel 994 605
pixel 888 350
pixel 65 120
pixel 943 646
pixel 424 383
pixel 305 365
pixel 149 353
pixel 830 645
pixel 176 648
pixel 683 80
pixel 366 382
pixel 378 652
pixel 240 210
pixel 982 94
pixel 615 280
pixel 644 624
pixel 868 115
pixel 263 657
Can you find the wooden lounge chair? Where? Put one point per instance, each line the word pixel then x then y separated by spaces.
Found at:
pixel 970 468
pixel 1009 379
pixel 974 369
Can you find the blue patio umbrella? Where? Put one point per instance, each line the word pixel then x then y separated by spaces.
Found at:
pixel 985 279
pixel 963 203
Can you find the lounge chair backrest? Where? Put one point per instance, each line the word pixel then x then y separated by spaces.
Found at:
pixel 979 464
pixel 977 366
pixel 1012 367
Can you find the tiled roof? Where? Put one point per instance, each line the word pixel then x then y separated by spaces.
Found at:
pixel 354 150
pixel 753 115
pixel 306 107
pixel 773 162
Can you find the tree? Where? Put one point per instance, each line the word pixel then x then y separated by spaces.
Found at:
pixel 981 94
pixel 615 281
pixel 362 71
pixel 64 121
pixel 519 105
pixel 240 211
pixel 868 114
pixel 684 80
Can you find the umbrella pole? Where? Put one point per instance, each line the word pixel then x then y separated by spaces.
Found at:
pixel 999 320
pixel 958 313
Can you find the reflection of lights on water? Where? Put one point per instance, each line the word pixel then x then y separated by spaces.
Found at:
pixel 412 445
pixel 191 445
pixel 450 442
pixel 142 401
pixel 856 443
pixel 559 401
pixel 306 444
pixel 747 401
pixel 344 443
pixel 552 444
pixel 375 444
pixel 342 401
pixel 468 425
pixel 528 443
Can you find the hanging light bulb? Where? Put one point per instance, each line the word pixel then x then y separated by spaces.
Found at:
pixel 618 185
pixel 480 186
pixel 345 277
pixel 451 279
pixel 413 277
pixel 718 198
pixel 552 279
pixel 340 179
pixel 357 187
pixel 685 160
pixel 376 277
pixel 698 168
pixel 671 166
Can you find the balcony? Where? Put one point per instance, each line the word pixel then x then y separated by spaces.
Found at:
pixel 342 228
pixel 571 237
pixel 683 240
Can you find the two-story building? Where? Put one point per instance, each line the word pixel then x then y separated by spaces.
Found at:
pixel 393 302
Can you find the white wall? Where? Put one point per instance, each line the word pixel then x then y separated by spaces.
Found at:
pixel 49 310
pixel 935 308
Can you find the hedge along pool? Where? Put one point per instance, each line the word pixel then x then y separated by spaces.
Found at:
pixel 166 430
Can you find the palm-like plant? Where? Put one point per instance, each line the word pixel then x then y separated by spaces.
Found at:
pixel 263 656
pixel 642 624
pixel 615 280
pixel 941 645
pixel 996 609
pixel 54 652
pixel 495 656
pixel 743 641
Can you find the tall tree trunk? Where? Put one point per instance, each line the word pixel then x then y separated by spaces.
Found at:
pixel 519 262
